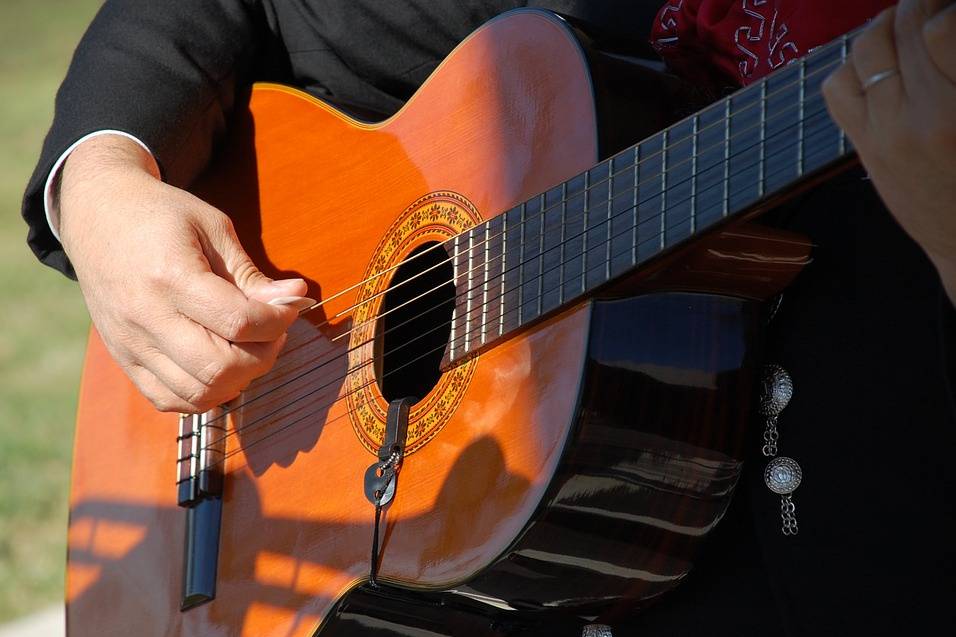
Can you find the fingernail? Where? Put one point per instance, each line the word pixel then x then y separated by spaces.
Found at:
pixel 298 302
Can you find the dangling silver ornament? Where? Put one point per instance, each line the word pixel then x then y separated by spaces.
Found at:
pixel 776 390
pixel 783 475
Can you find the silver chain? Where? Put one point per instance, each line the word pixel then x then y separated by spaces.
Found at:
pixel 787 512
pixel 776 390
pixel 770 437
pixel 782 475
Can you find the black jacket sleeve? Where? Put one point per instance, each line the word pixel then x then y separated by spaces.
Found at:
pixel 166 72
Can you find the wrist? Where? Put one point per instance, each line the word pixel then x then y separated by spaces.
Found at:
pixel 106 154
pixel 96 171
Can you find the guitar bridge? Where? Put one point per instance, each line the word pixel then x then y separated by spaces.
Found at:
pixel 199 477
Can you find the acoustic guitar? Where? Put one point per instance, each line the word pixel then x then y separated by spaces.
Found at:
pixel 521 401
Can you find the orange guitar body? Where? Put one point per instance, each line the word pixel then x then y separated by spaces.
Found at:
pixel 319 195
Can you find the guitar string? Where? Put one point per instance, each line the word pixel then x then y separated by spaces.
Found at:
pixel 565 241
pixel 605 220
pixel 634 167
pixel 250 426
pixel 245 448
pixel 467 253
pixel 668 146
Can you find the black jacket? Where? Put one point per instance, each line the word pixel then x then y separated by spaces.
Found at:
pixel 169 72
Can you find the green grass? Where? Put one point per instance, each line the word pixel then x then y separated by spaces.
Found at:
pixel 42 321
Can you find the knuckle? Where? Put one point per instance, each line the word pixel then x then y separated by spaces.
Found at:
pixel 264 363
pixel 237 324
pixel 244 272
pixel 201 398
pixel 164 403
pixel 252 363
pixel 157 276
pixel 220 228
pixel 222 224
pixel 213 373
pixel 163 276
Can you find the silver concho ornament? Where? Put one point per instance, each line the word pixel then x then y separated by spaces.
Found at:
pixel 776 390
pixel 783 475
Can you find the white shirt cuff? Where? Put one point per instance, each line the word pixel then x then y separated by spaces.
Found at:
pixel 50 207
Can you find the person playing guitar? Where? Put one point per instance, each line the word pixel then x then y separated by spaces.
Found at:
pixel 865 332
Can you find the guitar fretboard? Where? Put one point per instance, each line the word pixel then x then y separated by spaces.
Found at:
pixel 560 245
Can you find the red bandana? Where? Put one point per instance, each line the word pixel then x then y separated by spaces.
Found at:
pixel 734 42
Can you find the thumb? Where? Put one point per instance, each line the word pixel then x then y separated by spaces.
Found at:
pixel 229 260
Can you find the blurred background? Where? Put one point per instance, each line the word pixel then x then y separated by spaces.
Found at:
pixel 43 322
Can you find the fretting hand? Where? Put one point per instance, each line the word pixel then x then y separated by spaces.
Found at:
pixel 896 100
pixel 173 295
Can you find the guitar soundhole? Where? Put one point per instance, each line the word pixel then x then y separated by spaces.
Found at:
pixel 415 324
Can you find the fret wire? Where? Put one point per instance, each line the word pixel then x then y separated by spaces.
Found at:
pixel 524 209
pixel 610 199
pixel 564 217
pixel 585 218
pixel 504 255
pixel 453 335
pixel 663 186
pixel 472 257
pixel 693 173
pixel 761 167
pixel 541 256
pixel 635 195
pixel 469 279
pixel 843 54
pixel 484 287
pixel 726 207
pixel 194 446
pixel 802 92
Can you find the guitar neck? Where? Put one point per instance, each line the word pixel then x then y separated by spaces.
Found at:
pixel 556 248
